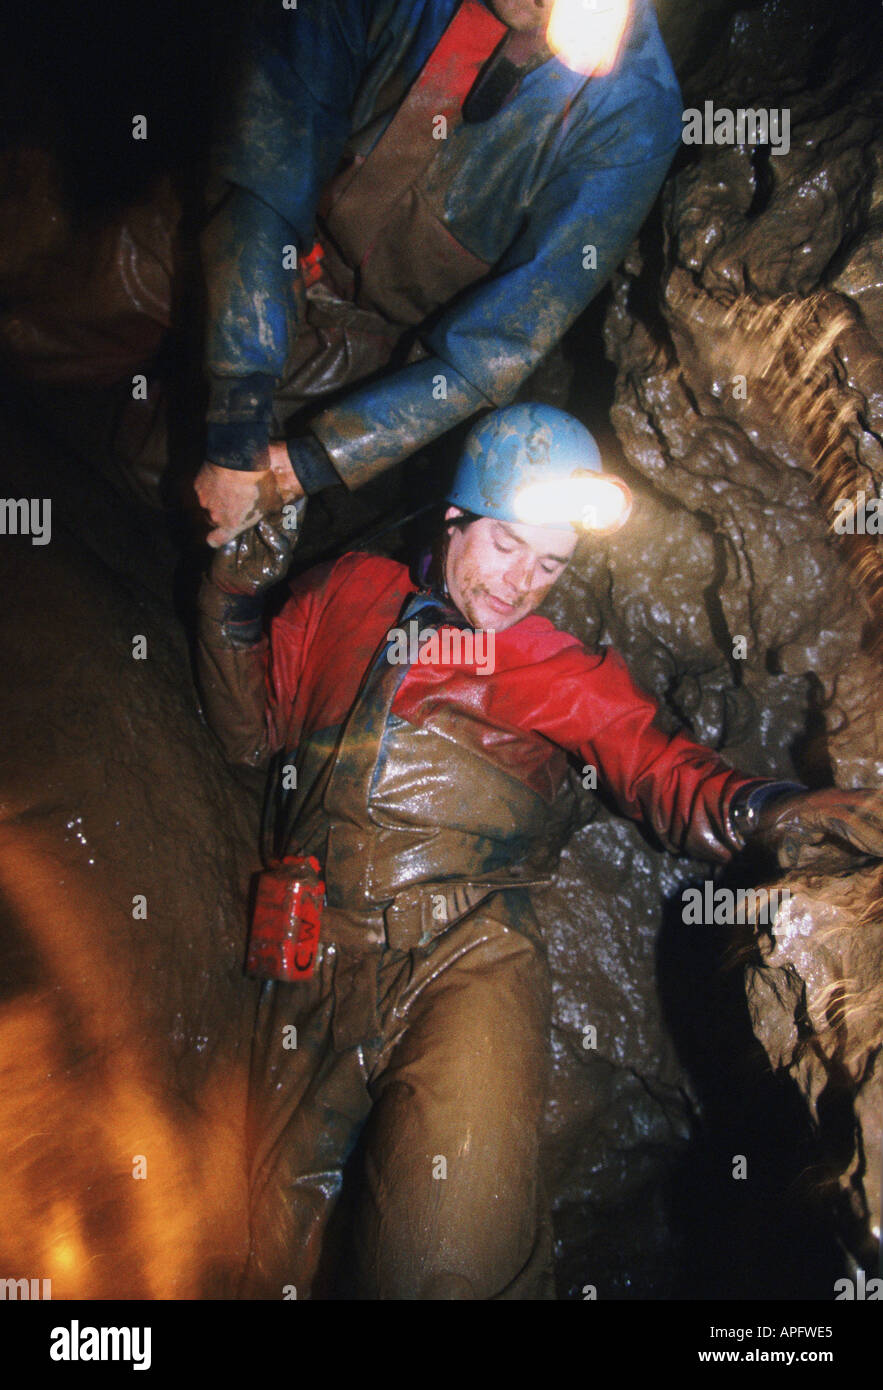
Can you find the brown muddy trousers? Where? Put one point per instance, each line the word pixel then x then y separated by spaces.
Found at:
pixel 424 1029
pixel 442 1050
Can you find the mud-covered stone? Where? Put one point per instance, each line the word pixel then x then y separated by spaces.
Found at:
pixel 744 330
pixel 816 1002
pixel 125 852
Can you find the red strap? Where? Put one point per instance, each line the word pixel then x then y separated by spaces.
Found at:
pixel 311 264
pixel 456 60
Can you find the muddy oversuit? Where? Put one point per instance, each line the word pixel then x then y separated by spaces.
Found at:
pixel 433 797
pixel 443 245
pixel 430 1015
pixel 444 1046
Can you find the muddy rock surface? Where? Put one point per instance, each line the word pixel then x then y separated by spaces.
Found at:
pixel 125 852
pixel 745 335
pixel 816 1001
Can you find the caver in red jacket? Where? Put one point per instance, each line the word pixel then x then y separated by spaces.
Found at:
pixel 546 696
pixel 431 794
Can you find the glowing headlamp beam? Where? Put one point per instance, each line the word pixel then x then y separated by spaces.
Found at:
pixel 587 34
pixel 589 501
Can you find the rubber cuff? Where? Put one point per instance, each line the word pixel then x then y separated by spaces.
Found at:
pixel 745 807
pixel 312 466
pixel 236 446
pixel 771 791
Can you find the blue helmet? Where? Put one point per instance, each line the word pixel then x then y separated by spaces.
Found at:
pixel 538 465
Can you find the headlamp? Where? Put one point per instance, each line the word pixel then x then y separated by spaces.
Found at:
pixel 587 501
pixel 587 34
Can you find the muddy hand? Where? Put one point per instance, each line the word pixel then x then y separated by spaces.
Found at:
pixel 258 558
pixel 825 831
pixel 236 499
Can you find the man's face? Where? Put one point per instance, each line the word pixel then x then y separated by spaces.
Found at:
pixel 522 14
pixel 499 571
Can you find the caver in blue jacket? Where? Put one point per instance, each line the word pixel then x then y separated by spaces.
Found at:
pixel 454 253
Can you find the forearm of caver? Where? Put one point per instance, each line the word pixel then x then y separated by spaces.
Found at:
pixel 231 667
pixel 485 347
pixel 680 789
pixel 233 655
pixel 688 795
pixel 251 321
pixel 379 425
pixel 688 798
pixel 576 230
pixel 708 809
pixel 281 141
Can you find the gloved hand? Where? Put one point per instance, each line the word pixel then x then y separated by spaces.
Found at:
pixel 231 646
pixel 259 558
pixel 236 499
pixel 825 831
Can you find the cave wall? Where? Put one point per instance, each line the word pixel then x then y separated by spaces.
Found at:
pixel 745 334
pixel 816 1001
pixel 126 847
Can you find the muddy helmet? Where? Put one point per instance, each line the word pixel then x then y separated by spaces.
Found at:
pixel 537 465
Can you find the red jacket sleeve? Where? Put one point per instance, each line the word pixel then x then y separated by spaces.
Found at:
pixel 680 788
pixel 291 633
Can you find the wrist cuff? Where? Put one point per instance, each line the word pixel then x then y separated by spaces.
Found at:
pixel 237 446
pixel 771 791
pixel 238 420
pixel 226 607
pixel 312 466
pixel 748 802
pixel 241 399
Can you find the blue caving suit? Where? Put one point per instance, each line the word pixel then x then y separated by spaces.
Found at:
pixel 450 254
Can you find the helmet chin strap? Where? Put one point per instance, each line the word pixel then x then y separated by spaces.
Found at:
pixel 519 53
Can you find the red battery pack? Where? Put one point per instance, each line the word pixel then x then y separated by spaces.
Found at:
pixel 286 921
